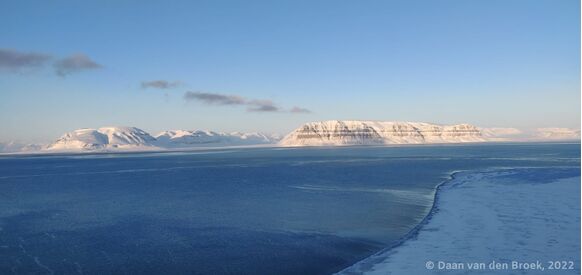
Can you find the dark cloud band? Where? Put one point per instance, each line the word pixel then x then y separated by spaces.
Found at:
pixel 215 99
pixel 253 105
pixel 75 63
pixel 12 60
pixel 160 84
pixel 299 110
pixel 262 106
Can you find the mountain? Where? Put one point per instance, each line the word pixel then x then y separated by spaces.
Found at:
pixel 197 138
pixel 124 138
pixel 323 133
pixel 13 147
pixel 134 139
pixel 557 134
pixel 502 134
pixel 336 132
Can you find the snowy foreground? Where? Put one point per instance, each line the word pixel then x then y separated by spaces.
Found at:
pixel 508 222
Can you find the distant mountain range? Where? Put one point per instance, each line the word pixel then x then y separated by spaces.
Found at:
pixel 323 133
pixel 132 139
pixel 182 138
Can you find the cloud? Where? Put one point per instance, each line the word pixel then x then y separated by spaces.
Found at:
pixel 17 61
pixel 262 106
pixel 75 63
pixel 12 60
pixel 299 110
pixel 160 84
pixel 215 99
pixel 253 105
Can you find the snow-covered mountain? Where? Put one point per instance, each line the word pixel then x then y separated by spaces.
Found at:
pixel 502 134
pixel 134 139
pixel 12 147
pixel 124 138
pixel 557 134
pixel 184 138
pixel 336 132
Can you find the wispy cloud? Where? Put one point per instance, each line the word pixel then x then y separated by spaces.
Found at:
pixel 75 63
pixel 215 99
pixel 253 105
pixel 160 84
pixel 15 61
pixel 299 110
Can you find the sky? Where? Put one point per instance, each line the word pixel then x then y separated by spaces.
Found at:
pixel 271 66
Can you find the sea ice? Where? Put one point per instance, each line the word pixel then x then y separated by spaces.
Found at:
pixel 511 222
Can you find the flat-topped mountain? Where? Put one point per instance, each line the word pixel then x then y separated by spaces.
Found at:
pixel 337 132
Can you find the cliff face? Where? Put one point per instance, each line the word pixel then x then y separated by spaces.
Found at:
pixel 337 132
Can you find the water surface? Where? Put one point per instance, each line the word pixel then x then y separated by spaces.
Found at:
pixel 230 211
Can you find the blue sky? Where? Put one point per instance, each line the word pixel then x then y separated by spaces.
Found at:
pixel 493 63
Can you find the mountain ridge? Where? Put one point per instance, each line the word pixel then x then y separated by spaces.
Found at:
pixel 132 138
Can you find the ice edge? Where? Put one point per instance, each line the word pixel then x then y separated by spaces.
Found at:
pixel 374 258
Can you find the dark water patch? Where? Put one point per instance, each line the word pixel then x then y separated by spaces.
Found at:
pixel 142 245
pixel 541 175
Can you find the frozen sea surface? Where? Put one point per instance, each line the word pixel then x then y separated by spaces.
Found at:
pixel 497 219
